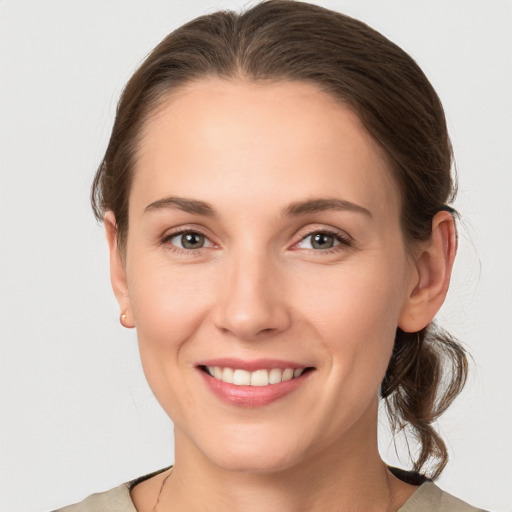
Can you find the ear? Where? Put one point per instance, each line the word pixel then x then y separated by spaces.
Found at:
pixel 117 271
pixel 431 274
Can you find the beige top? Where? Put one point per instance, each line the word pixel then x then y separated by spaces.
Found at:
pixel 428 498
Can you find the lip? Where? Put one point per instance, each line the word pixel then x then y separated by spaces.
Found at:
pixel 251 366
pixel 251 396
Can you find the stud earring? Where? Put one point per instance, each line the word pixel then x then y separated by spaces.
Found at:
pixel 122 319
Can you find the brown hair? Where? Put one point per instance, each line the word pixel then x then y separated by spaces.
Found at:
pixel 290 40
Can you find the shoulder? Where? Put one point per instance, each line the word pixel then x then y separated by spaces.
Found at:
pixel 115 500
pixel 430 498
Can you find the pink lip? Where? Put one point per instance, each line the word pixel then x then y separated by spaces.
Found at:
pixel 251 366
pixel 251 396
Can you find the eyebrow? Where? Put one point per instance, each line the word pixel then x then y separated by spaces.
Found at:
pixel 321 205
pixel 197 207
pixel 187 205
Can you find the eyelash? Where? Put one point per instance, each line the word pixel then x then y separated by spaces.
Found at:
pixel 178 250
pixel 344 241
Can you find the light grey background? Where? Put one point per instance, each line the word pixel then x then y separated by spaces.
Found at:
pixel 76 414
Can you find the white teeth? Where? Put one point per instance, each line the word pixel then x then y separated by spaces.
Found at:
pixel 287 374
pixel 259 378
pixel 256 378
pixel 242 378
pixel 227 375
pixel 275 375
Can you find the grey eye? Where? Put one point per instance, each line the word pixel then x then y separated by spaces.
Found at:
pixel 322 241
pixel 189 240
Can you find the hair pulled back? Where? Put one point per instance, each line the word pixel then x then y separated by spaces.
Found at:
pixel 290 40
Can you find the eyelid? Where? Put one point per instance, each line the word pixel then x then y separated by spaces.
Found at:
pixel 344 239
pixel 180 234
pixel 174 232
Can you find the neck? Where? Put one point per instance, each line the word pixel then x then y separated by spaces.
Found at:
pixel 347 476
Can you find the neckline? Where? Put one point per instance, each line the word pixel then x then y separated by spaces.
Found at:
pixel 424 484
pixel 409 477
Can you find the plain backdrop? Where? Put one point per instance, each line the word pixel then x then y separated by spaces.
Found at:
pixel 76 415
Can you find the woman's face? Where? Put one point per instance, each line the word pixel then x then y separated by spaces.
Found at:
pixel 264 239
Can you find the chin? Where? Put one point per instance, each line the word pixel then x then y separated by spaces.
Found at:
pixel 263 461
pixel 269 453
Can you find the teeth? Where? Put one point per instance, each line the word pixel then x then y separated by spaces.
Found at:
pixel 287 374
pixel 259 378
pixel 275 375
pixel 227 375
pixel 256 378
pixel 241 378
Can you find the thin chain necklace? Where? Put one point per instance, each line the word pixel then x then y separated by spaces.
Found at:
pixel 390 509
pixel 160 491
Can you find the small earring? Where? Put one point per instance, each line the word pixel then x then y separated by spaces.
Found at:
pixel 122 319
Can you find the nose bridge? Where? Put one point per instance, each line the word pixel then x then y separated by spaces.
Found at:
pixel 251 304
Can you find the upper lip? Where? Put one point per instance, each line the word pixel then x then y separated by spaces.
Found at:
pixel 253 365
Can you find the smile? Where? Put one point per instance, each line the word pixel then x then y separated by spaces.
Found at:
pixel 254 383
pixel 261 377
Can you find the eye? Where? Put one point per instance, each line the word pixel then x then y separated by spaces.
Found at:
pixel 322 240
pixel 189 240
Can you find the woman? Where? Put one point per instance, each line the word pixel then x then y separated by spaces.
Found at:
pixel 275 195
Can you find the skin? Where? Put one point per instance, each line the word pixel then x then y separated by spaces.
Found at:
pixel 259 289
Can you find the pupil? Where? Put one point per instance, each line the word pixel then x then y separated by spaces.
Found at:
pixel 192 240
pixel 322 241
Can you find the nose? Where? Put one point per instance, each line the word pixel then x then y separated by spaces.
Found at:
pixel 252 304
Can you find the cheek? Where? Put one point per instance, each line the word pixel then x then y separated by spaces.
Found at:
pixel 355 296
pixel 169 302
pixel 169 306
pixel 355 311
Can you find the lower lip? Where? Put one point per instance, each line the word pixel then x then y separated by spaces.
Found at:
pixel 252 396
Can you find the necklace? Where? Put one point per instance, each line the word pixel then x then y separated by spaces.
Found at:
pixel 390 509
pixel 160 491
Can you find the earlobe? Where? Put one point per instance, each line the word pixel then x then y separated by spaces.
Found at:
pixel 117 271
pixel 431 275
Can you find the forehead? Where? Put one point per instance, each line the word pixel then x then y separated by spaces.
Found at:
pixel 216 137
